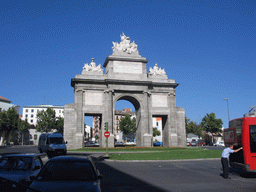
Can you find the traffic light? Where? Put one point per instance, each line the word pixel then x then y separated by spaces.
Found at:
pixel 106 126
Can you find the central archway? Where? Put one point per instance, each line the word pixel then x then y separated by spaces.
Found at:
pixel 136 105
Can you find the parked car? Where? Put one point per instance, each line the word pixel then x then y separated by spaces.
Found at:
pixel 19 167
pixel 119 144
pixel 193 143
pixel 130 143
pixel 91 144
pixel 220 144
pixel 158 143
pixel 68 173
pixel 200 143
pixel 96 144
pixel 188 143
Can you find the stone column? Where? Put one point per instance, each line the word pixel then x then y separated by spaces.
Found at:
pixel 181 129
pixel 108 117
pixel 69 125
pixel 145 125
pixel 79 136
pixel 172 123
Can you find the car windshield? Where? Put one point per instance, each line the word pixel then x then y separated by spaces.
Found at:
pixel 56 140
pixel 67 171
pixel 16 163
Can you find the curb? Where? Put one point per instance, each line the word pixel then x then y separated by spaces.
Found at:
pixel 104 158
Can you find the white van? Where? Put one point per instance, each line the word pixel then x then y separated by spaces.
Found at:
pixel 52 144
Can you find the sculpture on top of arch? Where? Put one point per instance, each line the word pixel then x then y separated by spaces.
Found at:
pixel 125 47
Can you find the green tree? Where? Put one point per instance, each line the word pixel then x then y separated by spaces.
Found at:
pixel 188 127
pixel 193 127
pixel 198 130
pixel 156 132
pixel 46 121
pixel 211 124
pixel 23 126
pixel 8 122
pixel 59 124
pixel 127 125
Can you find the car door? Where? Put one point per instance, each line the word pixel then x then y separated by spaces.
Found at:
pixel 38 164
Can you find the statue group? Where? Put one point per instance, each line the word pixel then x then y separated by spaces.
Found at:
pixel 156 71
pixel 125 45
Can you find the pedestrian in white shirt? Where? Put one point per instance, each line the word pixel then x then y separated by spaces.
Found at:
pixel 224 159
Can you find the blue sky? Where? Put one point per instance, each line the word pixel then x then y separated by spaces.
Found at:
pixel 208 47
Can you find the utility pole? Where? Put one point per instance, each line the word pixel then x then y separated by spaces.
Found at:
pixel 226 99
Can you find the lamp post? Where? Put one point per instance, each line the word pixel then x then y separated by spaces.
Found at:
pixel 226 99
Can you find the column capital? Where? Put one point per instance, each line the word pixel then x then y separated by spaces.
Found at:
pixel 109 90
pixel 147 92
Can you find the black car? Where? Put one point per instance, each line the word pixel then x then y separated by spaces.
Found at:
pixel 119 144
pixel 68 173
pixel 16 170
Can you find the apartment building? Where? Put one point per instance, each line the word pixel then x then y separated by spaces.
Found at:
pixel 30 112
pixel 5 104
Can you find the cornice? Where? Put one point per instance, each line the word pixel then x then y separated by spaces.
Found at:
pixel 122 82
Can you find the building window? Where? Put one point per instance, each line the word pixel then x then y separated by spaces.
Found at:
pixel 32 110
pixel 156 123
pixel 59 111
pixel 26 110
pixel 32 115
pixel 26 115
pixel 31 121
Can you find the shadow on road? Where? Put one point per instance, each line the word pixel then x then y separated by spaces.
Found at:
pixel 115 180
pixel 242 173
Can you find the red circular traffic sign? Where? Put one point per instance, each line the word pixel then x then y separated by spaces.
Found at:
pixel 106 134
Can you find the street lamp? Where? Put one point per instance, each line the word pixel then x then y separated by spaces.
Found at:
pixel 226 99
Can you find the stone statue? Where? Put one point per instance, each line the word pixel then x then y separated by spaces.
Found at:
pixel 156 71
pixel 125 46
pixel 92 66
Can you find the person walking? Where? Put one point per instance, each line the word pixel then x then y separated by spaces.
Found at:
pixel 224 159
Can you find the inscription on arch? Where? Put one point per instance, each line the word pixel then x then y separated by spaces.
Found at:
pixel 159 100
pixel 92 98
pixel 127 67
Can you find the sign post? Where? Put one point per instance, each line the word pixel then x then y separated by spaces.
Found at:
pixel 106 134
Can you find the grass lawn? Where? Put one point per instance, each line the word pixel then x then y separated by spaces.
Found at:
pixel 156 153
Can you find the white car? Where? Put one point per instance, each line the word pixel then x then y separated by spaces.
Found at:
pixel 220 144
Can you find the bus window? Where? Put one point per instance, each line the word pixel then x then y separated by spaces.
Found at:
pixel 238 124
pixel 253 138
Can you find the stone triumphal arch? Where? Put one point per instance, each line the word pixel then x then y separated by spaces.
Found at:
pixel 125 78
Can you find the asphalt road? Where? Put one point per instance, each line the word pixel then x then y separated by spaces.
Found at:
pixel 164 176
pixel 172 176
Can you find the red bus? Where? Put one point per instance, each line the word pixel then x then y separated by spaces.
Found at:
pixel 242 133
